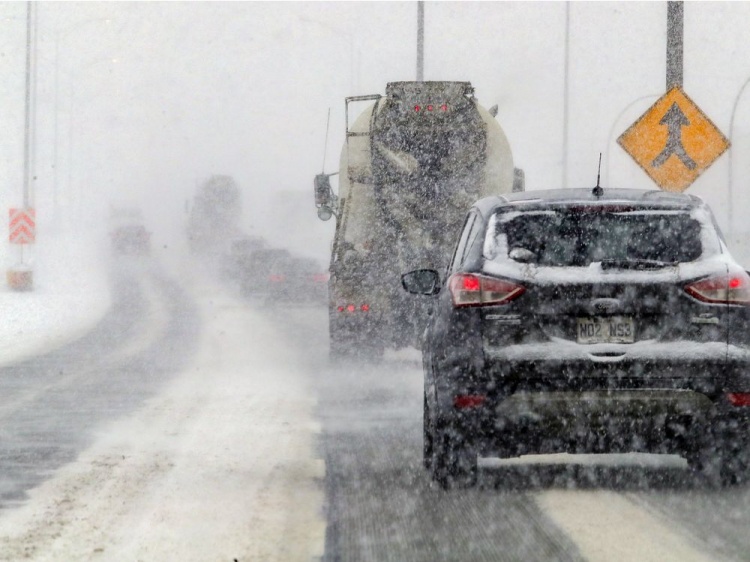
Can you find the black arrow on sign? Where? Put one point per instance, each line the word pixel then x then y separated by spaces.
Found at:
pixel 674 119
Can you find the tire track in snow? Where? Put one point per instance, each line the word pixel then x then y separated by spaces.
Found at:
pixel 718 518
pixel 380 504
pixel 607 526
pixel 150 325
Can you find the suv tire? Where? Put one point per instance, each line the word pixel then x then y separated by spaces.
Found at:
pixel 426 436
pixel 453 464
pixel 721 465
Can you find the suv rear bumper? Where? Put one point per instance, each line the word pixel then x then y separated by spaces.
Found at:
pixel 612 422
pixel 678 352
pixel 570 402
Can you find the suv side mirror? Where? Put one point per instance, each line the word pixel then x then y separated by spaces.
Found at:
pixel 421 282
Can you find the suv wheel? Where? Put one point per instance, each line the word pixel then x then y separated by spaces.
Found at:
pixel 721 465
pixel 453 464
pixel 426 436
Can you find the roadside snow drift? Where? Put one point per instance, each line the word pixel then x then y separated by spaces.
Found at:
pixel 71 294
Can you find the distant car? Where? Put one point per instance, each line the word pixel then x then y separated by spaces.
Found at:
pixel 282 277
pixel 586 322
pixel 307 281
pixel 239 255
pixel 131 239
pixel 264 272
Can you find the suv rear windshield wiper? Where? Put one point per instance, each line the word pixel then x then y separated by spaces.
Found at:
pixel 634 263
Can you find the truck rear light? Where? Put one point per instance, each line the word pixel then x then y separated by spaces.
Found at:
pixel 733 288
pixel 478 290
pixel 276 278
pixel 320 277
pixel 353 307
pixel 739 398
pixel 465 401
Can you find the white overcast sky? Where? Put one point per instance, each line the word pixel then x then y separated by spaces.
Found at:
pixel 244 88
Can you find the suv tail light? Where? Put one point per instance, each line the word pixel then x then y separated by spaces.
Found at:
pixel 478 290
pixel 739 398
pixel 733 288
pixel 466 401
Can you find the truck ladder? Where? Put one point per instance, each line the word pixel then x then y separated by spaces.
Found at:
pixel 372 97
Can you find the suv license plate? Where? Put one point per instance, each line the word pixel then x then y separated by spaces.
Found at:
pixel 612 329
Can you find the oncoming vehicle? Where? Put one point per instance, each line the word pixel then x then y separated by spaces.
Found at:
pixel 587 321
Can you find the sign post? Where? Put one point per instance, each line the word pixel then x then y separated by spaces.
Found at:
pixel 675 26
pixel 674 141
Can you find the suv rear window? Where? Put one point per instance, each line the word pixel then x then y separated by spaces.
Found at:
pixel 573 237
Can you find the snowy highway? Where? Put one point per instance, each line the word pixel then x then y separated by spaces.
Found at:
pixel 213 207
pixel 192 423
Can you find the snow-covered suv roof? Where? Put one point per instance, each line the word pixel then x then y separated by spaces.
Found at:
pixel 645 197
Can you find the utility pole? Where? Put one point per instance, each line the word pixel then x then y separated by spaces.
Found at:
pixel 675 26
pixel 22 221
pixel 28 148
pixel 420 41
pixel 566 95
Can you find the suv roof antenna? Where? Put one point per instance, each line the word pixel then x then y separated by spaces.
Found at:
pixel 598 191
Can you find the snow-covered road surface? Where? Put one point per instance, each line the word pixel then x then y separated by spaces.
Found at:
pixel 202 436
pixel 220 464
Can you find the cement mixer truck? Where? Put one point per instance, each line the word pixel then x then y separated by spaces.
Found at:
pixel 413 163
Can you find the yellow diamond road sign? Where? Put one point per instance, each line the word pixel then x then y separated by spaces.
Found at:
pixel 674 141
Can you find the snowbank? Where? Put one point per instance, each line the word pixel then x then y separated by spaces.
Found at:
pixel 71 294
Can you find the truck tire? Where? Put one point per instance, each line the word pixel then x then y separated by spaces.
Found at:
pixel 337 352
pixel 353 347
pixel 370 352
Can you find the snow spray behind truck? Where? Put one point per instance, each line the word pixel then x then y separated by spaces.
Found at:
pixel 413 163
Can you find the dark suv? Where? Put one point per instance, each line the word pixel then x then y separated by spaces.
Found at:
pixel 584 321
